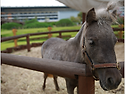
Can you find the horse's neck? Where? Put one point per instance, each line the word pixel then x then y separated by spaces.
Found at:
pixel 79 34
pixel 77 42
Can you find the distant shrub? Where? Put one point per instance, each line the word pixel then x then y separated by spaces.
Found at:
pixel 51 23
pixel 10 25
pixel 120 20
pixel 64 22
pixel 31 21
pixel 75 20
pixel 37 25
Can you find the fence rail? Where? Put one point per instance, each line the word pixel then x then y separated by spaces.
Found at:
pixel 32 34
pixel 28 46
pixel 60 68
pixel 13 37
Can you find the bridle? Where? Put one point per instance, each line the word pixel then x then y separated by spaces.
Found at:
pixel 93 66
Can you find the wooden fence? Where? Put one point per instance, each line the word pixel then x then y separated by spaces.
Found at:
pixel 60 68
pixel 28 46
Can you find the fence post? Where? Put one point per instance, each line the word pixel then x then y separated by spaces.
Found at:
pixel 50 28
pixel 60 34
pixel 14 34
pixel 120 34
pixel 28 43
pixel 83 17
pixel 86 83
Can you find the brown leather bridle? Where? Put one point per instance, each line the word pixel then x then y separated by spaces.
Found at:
pixel 99 66
pixel 93 66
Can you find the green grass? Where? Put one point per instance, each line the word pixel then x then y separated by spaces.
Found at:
pixel 22 41
pixel 6 33
pixel 114 26
pixel 6 44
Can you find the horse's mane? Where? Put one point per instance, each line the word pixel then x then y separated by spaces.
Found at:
pixel 107 14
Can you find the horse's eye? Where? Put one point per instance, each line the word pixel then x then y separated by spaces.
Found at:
pixel 91 43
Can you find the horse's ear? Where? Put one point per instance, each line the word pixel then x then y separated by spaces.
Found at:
pixel 114 13
pixel 91 16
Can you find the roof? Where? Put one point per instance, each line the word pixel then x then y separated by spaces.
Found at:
pixel 35 7
pixel 85 5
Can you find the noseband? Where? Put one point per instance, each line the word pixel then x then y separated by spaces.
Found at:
pixel 99 66
pixel 93 66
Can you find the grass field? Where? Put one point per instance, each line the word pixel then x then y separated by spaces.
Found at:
pixel 7 33
pixel 22 41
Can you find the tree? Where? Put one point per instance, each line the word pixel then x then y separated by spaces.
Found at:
pixel 64 22
pixel 75 20
pixel 80 16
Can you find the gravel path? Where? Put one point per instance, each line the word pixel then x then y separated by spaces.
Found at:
pixel 16 80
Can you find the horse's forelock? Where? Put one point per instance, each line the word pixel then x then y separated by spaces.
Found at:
pixel 106 14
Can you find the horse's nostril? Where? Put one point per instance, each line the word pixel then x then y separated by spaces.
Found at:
pixel 110 81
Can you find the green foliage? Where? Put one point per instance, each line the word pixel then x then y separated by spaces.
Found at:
pixel 51 23
pixel 80 16
pixel 31 21
pixel 10 25
pixel 37 25
pixel 75 20
pixel 64 22
pixel 120 20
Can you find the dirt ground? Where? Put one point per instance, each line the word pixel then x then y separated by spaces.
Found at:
pixel 16 80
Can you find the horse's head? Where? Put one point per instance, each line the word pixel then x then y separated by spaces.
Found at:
pixel 98 42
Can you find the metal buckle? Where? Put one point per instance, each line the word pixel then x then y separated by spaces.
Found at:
pixel 92 67
pixel 118 66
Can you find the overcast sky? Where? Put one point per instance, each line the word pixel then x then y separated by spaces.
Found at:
pixel 30 3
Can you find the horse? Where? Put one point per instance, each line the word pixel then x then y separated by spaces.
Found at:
pixel 93 45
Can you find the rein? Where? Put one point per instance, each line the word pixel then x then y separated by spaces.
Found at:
pixel 93 66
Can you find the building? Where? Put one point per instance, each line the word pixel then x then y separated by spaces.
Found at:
pixel 48 13
pixel 121 11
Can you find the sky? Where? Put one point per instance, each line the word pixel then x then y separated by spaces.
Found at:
pixel 18 3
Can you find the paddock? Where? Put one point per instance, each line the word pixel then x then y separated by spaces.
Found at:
pixel 23 81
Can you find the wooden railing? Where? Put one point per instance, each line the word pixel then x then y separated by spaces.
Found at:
pixel 28 46
pixel 60 68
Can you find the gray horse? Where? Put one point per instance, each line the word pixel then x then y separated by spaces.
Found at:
pixel 95 37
